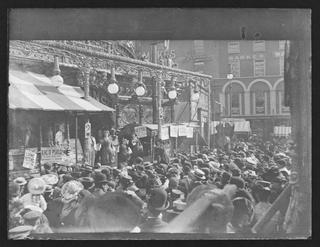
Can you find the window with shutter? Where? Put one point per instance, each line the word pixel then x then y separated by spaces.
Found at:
pixel 259 67
pixel 259 45
pixel 234 47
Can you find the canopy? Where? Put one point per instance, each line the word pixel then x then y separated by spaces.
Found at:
pixel 243 126
pixel 282 130
pixel 31 91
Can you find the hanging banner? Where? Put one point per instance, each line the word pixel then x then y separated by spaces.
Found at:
pixel 30 158
pixel 164 133
pixel 183 130
pixel 189 132
pixel 141 131
pixel 174 131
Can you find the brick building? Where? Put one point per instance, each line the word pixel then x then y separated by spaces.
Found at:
pixel 256 91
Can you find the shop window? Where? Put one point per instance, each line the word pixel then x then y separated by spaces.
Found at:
pixel 259 45
pixel 234 47
pixel 259 67
pixel 283 108
pixel 260 102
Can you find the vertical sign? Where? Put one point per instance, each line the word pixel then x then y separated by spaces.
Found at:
pixel 174 131
pixel 29 160
pixel 164 133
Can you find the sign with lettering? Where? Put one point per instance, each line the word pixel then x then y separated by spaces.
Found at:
pixel 141 131
pixel 29 160
pixel 16 158
pixel 174 130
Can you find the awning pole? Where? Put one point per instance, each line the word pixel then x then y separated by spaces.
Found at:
pixel 40 143
pixel 76 138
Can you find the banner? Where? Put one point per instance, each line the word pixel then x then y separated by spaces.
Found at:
pixel 30 158
pixel 174 131
pixel 189 132
pixel 164 133
pixel 141 131
pixel 182 130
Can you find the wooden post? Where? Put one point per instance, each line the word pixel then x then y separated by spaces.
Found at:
pixel 40 143
pixel 76 116
pixel 159 101
pixel 209 114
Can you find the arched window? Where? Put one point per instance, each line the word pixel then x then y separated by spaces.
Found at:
pixel 260 98
pixel 234 99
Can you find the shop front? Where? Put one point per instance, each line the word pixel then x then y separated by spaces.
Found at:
pixel 45 122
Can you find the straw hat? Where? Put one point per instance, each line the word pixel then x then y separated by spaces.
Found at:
pixel 20 181
pixel 36 186
pixel 50 179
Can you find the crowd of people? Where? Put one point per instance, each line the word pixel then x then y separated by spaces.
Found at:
pixel 141 196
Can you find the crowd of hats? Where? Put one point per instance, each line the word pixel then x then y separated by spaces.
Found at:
pixel 251 166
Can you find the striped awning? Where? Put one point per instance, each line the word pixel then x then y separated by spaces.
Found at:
pixel 282 130
pixel 242 126
pixel 31 91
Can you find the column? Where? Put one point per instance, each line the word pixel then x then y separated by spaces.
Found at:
pixel 246 103
pixel 229 105
pixel 266 103
pixel 222 103
pixel 240 103
pixel 273 102
pixel 254 102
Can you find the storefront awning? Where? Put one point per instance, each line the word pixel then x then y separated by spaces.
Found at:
pixel 243 126
pixel 282 130
pixel 31 91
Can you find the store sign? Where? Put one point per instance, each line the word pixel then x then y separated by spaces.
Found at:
pixel 30 158
pixel 16 157
pixel 51 155
pixel 141 131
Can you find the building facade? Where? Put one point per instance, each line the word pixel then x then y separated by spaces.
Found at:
pixel 256 91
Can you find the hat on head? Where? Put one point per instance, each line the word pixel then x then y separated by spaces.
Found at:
pixel 20 181
pixel 100 178
pixel 33 208
pixel 87 182
pixel 239 182
pixel 36 186
pixel 70 190
pixel 49 188
pixel 32 215
pixel 158 199
pixel 50 179
pixel 138 160
pixel 199 174
pixel 206 171
pixel 67 177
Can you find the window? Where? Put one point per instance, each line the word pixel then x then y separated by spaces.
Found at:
pixel 234 65
pixel 235 103
pixel 234 47
pixel 259 67
pixel 282 44
pixel 281 60
pixel 259 45
pixel 259 102
pixel 199 48
pixel 283 109
pixel 199 67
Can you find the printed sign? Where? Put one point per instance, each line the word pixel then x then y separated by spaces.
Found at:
pixel 16 158
pixel 164 133
pixel 189 132
pixel 30 158
pixel 141 131
pixel 183 130
pixel 174 131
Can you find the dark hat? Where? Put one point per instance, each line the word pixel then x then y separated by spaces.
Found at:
pixel 206 171
pixel 239 182
pixel 158 199
pixel 226 175
pixel 115 172
pixel 88 182
pixel 187 163
pixel 106 171
pixel 48 188
pixel 76 175
pixel 99 178
pixel 235 171
pixel 14 189
pixel 138 160
pixel 67 178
